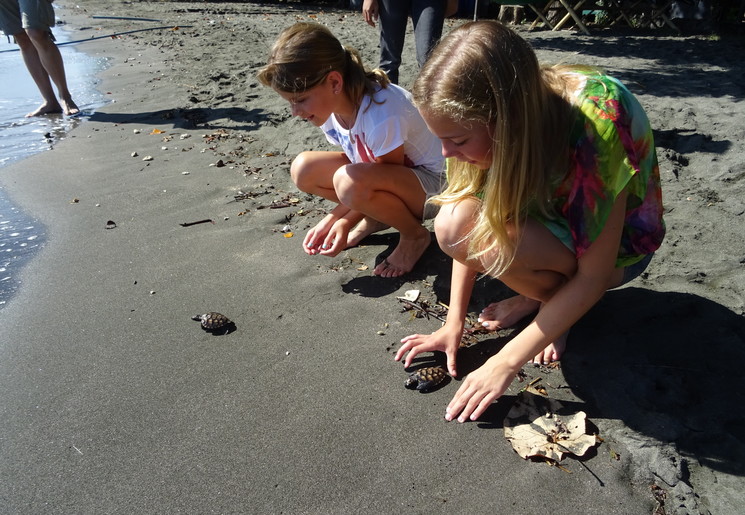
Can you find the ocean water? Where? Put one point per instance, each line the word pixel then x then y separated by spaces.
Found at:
pixel 21 236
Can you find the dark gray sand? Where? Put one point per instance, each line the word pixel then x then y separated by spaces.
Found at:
pixel 115 401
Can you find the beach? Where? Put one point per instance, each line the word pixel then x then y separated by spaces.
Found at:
pixel 175 199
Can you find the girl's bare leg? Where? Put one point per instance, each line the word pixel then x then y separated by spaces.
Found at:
pixel 313 172
pixel 364 229
pixel 389 195
pixel 541 266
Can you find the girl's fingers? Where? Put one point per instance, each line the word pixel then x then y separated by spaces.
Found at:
pixel 412 352
pixel 403 350
pixel 469 404
pixel 309 243
pixel 459 402
pixel 327 243
pixel 481 408
pixel 453 409
pixel 411 355
pixel 473 404
pixel 411 344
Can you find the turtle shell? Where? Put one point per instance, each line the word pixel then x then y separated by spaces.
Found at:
pixel 214 321
pixel 424 379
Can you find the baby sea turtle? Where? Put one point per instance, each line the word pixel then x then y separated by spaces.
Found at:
pixel 215 322
pixel 424 379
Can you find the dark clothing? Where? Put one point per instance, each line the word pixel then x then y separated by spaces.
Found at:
pixel 427 16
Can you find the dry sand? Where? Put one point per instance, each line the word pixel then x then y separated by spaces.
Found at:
pixel 114 401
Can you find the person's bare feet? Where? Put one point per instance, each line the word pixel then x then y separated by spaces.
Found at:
pixel 46 108
pixel 69 107
pixel 64 106
pixel 362 230
pixel 507 312
pixel 404 256
pixel 553 351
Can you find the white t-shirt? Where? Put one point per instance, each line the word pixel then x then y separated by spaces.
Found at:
pixel 385 125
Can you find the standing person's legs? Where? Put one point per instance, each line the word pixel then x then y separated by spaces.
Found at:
pixel 41 55
pixel 51 59
pixel 428 17
pixel 39 74
pixel 11 24
pixel 394 15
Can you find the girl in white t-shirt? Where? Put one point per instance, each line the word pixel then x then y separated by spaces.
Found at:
pixel 390 164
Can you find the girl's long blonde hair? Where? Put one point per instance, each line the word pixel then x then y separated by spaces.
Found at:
pixel 305 53
pixel 484 73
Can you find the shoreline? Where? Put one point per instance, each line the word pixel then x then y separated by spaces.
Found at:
pixel 115 399
pixel 21 237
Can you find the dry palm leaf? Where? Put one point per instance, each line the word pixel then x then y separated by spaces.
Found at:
pixel 535 429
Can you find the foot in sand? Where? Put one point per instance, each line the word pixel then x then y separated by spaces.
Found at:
pixel 46 108
pixel 508 312
pixel 65 106
pixel 553 352
pixel 69 107
pixel 404 256
pixel 364 229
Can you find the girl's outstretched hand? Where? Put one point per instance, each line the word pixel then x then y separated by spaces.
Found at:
pixel 336 239
pixel 316 237
pixel 446 339
pixel 479 389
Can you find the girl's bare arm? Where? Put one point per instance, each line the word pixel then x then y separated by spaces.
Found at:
pixel 569 304
pixel 448 337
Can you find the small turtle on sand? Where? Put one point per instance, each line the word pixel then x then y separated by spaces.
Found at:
pixel 215 322
pixel 424 379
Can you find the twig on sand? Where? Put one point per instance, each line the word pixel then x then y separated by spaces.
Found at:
pixel 422 309
pixel 205 221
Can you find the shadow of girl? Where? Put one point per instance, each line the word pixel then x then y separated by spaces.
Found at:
pixel 669 366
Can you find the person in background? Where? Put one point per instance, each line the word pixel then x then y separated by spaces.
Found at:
pixel 30 22
pixel 428 17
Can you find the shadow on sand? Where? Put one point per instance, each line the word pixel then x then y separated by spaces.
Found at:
pixel 240 118
pixel 667 365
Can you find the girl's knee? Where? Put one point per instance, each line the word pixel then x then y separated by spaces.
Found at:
pixel 453 223
pixel 300 170
pixel 444 230
pixel 348 186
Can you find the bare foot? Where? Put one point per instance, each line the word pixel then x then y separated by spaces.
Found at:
pixel 508 312
pixel 553 352
pixel 404 256
pixel 46 108
pixel 69 107
pixel 364 229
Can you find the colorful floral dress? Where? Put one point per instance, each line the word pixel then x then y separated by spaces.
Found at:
pixel 612 148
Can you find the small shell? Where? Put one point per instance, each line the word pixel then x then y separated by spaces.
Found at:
pixel 426 378
pixel 410 295
pixel 214 321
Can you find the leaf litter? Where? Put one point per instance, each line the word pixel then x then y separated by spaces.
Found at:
pixel 536 429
